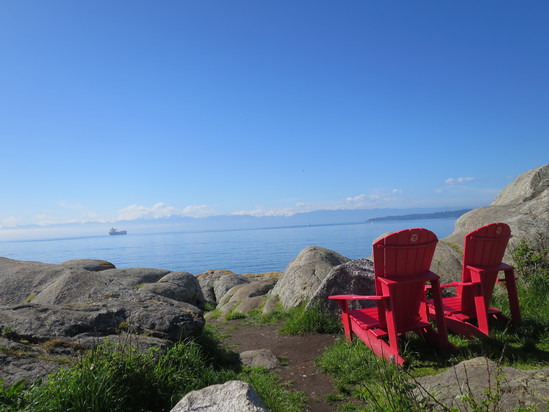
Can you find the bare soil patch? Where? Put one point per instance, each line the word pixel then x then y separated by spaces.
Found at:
pixel 297 354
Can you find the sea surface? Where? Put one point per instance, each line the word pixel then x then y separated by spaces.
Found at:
pixel 241 251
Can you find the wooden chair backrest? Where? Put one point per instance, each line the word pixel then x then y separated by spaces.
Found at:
pixel 398 256
pixel 483 247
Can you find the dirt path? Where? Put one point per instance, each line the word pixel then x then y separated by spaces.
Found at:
pixel 297 354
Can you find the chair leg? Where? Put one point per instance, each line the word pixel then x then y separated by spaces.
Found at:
pixel 439 315
pixel 481 310
pixel 346 320
pixel 511 285
pixel 380 347
pixel 392 333
pixel 462 328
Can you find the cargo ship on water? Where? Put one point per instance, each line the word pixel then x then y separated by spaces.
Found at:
pixel 114 231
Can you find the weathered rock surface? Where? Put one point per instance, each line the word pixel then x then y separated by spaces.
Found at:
pixel 447 264
pixel 233 396
pixel 479 376
pixel 216 283
pixel 180 286
pixel 30 362
pixel 264 358
pixel 93 265
pixel 355 277
pixel 245 297
pixel 304 274
pixel 87 301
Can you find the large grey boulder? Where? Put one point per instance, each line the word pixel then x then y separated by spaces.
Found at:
pixel 523 205
pixel 481 380
pixel 216 283
pixel 446 263
pixel 180 286
pixel 22 280
pixel 232 396
pixel 164 319
pixel 245 297
pixel 355 277
pixel 304 274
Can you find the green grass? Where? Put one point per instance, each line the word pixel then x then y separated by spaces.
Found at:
pixel 275 394
pixel 117 377
pixel 373 383
pixel 301 321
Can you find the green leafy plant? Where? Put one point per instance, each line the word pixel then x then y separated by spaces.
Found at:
pixel 11 396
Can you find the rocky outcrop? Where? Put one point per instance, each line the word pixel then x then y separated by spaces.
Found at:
pixel 233 396
pixel 304 274
pixel 523 205
pixel 479 380
pixel 355 277
pixel 87 301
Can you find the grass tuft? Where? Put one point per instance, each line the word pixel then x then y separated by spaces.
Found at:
pixel 312 320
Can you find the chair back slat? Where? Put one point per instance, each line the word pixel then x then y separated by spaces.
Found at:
pixel 483 247
pixel 398 256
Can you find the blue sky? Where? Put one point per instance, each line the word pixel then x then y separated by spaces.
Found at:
pixel 125 109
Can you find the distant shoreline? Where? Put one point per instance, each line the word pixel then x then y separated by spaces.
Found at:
pixel 420 216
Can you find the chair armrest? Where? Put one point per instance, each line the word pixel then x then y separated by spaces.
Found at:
pixel 356 297
pixel 498 268
pixel 455 284
pixel 421 277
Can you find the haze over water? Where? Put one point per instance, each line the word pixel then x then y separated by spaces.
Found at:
pixel 241 251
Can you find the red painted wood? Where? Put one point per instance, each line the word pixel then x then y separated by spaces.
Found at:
pixel 401 268
pixel 482 261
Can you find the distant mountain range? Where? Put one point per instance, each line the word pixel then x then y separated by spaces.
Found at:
pixel 227 222
pixel 316 218
pixel 421 216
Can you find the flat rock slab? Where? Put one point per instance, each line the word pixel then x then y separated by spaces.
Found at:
pixel 264 358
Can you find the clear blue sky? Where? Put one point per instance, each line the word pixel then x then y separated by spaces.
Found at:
pixel 124 109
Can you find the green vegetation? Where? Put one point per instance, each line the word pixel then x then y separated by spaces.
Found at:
pixel 361 376
pixel 118 377
pixel 313 320
pixel 295 321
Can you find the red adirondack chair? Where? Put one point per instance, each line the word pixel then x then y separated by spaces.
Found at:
pixel 401 269
pixel 482 261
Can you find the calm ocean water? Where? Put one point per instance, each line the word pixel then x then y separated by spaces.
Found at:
pixel 241 251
